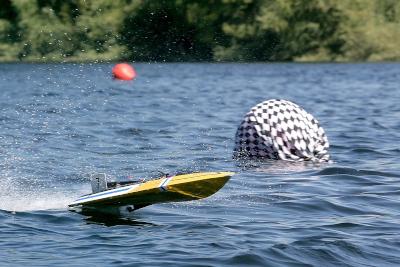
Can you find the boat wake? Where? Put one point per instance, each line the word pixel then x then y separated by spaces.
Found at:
pixel 17 197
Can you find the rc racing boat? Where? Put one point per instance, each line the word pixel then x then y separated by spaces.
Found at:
pixel 133 195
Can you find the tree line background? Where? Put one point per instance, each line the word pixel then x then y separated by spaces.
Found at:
pixel 187 30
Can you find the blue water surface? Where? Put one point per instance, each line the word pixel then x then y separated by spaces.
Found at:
pixel 61 122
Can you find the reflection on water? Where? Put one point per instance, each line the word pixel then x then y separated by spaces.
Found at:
pixel 278 167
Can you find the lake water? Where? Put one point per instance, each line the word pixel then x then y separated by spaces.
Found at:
pixel 61 122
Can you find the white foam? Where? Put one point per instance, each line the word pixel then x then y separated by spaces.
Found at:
pixel 32 202
pixel 15 198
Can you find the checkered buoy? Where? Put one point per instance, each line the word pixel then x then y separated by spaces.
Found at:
pixel 280 129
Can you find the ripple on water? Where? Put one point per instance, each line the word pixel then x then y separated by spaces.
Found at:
pixel 68 120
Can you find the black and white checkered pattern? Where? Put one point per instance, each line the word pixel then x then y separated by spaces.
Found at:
pixel 280 129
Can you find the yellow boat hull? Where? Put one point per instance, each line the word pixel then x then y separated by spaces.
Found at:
pixel 169 189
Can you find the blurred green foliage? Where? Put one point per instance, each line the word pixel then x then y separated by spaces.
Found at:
pixel 188 30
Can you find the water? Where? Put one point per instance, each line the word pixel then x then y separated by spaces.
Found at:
pixel 60 123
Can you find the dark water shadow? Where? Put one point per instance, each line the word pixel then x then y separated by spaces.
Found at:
pixel 110 219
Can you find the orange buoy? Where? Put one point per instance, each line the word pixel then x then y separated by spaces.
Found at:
pixel 124 71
